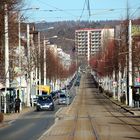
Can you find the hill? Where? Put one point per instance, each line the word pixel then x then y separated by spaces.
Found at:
pixel 65 30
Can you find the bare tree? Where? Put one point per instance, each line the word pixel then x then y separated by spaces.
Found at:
pixel 12 29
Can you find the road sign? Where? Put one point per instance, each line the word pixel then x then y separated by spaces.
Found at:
pixel 114 84
pixel 138 79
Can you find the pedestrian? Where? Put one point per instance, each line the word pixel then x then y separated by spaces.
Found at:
pixel 134 96
pixel 17 104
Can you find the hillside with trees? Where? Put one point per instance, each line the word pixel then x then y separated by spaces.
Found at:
pixel 65 30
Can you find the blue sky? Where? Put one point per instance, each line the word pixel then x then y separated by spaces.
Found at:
pixel 60 10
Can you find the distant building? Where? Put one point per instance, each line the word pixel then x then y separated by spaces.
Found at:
pixel 88 41
pixel 64 57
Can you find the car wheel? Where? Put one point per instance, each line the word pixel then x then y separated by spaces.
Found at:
pixel 37 109
pixel 53 108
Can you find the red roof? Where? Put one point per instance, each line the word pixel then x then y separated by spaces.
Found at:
pixel 92 29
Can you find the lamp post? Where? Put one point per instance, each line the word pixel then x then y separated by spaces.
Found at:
pixel 39 77
pixel 130 63
pixel 29 70
pixel 19 44
pixel 129 66
pixel 88 48
pixel 46 42
pixel 6 35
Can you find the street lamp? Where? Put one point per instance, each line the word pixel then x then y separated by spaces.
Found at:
pixel 6 43
pixel 6 35
pixel 46 42
pixel 130 63
pixel 19 43
pixel 129 66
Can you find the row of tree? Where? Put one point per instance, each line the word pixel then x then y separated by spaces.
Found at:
pixel 11 7
pixel 113 57
pixel 54 67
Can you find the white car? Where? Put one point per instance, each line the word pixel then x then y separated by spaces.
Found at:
pixel 63 99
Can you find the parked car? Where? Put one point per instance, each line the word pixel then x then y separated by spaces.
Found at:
pixel 54 95
pixel 63 99
pixel 45 102
pixel 77 83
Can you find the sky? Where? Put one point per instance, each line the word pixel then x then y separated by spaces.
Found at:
pixel 62 10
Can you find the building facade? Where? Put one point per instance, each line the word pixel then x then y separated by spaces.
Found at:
pixel 88 41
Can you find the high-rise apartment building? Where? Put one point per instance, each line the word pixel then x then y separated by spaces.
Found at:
pixel 88 41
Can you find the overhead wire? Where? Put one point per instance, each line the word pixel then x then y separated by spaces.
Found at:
pixel 89 12
pixel 64 10
pixel 82 11
pixel 136 10
pixel 56 8
pixel 86 3
pixel 88 8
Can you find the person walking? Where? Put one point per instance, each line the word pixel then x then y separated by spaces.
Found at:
pixel 17 104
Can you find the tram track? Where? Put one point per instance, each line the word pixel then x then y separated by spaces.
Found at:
pixel 110 105
pixel 91 116
pixel 95 132
pixel 80 118
pixel 95 135
pixel 119 111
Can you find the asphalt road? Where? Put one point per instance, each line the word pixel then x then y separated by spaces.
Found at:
pixel 28 127
pixel 91 116
pixel 32 125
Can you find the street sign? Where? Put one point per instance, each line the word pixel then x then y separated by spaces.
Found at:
pixel 45 88
pixel 114 84
pixel 138 79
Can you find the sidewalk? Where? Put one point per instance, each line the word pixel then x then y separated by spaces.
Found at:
pixel 133 110
pixel 8 118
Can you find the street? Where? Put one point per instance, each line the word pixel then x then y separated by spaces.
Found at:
pixel 28 127
pixel 91 116
pixel 31 125
pixel 69 70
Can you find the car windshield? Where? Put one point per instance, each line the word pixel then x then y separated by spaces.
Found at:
pixel 44 98
pixel 62 96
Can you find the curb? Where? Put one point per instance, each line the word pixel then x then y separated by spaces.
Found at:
pixel 42 137
pixel 132 112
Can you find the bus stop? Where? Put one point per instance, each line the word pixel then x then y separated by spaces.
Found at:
pixel 7 97
pixel 136 95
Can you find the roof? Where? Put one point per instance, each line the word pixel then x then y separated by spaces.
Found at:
pixel 10 88
pixel 92 29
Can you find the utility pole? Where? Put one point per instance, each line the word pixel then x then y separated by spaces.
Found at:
pixel 45 76
pixel 39 64
pixel 6 35
pixel 20 67
pixel 127 55
pixel 129 58
pixel 29 67
pixel 20 52
pixel 88 49
pixel 130 63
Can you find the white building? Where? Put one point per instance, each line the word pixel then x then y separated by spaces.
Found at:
pixel 64 58
pixel 88 41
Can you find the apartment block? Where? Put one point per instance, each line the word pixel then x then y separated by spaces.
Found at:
pixel 88 41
